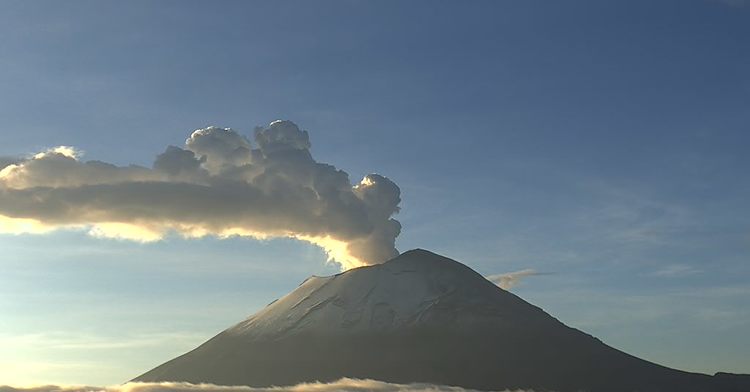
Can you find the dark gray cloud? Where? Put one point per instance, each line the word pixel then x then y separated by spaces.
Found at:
pixel 218 184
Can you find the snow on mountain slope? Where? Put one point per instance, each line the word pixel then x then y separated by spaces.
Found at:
pixel 422 318
pixel 393 295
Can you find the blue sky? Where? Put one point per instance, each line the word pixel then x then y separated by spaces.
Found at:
pixel 604 143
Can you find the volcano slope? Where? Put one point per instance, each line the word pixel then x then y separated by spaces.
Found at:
pixel 420 317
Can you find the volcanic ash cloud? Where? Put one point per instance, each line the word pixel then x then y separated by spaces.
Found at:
pixel 219 184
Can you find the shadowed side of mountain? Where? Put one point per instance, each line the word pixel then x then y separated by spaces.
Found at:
pixel 733 382
pixel 419 317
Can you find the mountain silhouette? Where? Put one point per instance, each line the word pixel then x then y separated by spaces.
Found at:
pixel 421 317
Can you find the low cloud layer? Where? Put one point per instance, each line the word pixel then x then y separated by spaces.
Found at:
pixel 342 385
pixel 219 183
pixel 509 280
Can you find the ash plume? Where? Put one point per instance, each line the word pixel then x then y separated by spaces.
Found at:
pixel 219 184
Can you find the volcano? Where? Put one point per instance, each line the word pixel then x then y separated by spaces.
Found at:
pixel 421 317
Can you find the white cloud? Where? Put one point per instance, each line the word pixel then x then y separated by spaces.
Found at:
pixel 676 271
pixel 509 280
pixel 342 385
pixel 217 184
pixel 7 161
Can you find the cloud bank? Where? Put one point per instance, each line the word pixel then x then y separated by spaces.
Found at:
pixel 342 385
pixel 219 183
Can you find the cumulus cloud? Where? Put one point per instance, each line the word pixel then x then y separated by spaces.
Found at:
pixel 219 183
pixel 509 280
pixel 342 385
pixel 7 161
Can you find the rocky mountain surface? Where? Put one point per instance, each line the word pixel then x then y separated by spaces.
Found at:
pixel 421 317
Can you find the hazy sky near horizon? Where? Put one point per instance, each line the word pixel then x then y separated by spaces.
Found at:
pixel 603 144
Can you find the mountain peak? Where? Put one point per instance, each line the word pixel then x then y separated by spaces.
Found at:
pixel 419 255
pixel 413 319
pixel 425 261
pixel 419 251
pixel 416 288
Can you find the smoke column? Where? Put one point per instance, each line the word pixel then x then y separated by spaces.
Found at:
pixel 219 184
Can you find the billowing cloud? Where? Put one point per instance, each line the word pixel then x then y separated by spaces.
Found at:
pixel 342 385
pixel 508 280
pixel 7 161
pixel 219 183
